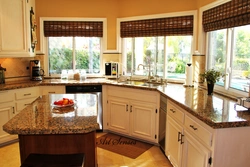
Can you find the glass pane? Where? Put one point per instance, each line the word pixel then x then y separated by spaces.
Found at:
pixel 178 51
pixel 217 51
pixel 241 58
pixel 87 51
pixel 60 54
pixel 144 55
pixel 160 57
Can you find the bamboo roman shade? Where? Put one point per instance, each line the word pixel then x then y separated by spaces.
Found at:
pixel 182 25
pixel 231 14
pixel 73 28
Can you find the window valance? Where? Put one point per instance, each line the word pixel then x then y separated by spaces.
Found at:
pixel 73 28
pixel 231 14
pixel 182 25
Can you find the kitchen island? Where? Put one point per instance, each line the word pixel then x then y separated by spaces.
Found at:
pixel 47 129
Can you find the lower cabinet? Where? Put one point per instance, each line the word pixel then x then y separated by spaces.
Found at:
pixel 188 144
pixel 174 132
pixel 194 154
pixel 24 97
pixel 7 111
pixel 131 113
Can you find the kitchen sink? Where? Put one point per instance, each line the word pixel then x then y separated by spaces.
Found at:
pixel 141 83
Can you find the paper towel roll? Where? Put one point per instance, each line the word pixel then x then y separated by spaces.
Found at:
pixel 189 75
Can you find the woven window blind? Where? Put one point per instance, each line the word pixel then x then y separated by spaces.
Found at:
pixel 173 26
pixel 231 14
pixel 73 28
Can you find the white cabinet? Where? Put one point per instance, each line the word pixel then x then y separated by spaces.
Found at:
pixel 194 153
pixel 118 115
pixel 45 90
pixel 133 112
pixel 15 28
pixel 7 110
pixel 25 96
pixel 143 120
pixel 188 142
pixel 173 150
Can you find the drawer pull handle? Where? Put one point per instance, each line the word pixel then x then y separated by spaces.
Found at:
pixel 173 111
pixel 28 94
pixel 126 107
pixel 192 126
pixel 182 138
pixel 51 92
pixel 27 104
pixel 130 108
pixel 179 135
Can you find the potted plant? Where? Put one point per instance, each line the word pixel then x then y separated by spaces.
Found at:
pixel 211 76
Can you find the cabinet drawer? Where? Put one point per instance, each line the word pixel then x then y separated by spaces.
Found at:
pixel 6 96
pixel 27 93
pixel 23 103
pixel 175 112
pixel 197 129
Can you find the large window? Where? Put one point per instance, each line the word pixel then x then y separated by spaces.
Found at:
pixel 158 46
pixel 228 51
pixel 165 56
pixel 74 53
pixel 73 45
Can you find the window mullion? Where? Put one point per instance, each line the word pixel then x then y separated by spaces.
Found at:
pixel 74 53
pixel 229 54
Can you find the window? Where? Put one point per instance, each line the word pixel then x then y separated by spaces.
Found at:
pixel 166 56
pixel 74 53
pixel 228 51
pixel 228 41
pixel 73 44
pixel 158 46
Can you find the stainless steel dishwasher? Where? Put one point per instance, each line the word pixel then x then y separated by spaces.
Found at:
pixel 95 90
pixel 162 122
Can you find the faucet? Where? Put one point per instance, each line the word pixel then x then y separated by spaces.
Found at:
pixel 149 70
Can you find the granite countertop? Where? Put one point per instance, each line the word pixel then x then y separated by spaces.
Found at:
pixel 42 117
pixel 217 111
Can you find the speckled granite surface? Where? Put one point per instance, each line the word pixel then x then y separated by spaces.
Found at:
pixel 43 118
pixel 216 111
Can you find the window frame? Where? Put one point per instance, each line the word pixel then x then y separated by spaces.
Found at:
pixel 120 43
pixel 44 41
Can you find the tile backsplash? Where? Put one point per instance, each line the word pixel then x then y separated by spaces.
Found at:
pixel 17 68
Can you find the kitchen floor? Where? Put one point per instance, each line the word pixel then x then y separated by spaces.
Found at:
pixel 151 158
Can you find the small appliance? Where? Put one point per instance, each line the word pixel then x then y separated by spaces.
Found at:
pixel 36 73
pixel 2 77
pixel 111 70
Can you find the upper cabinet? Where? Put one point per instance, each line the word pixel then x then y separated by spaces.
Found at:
pixel 17 28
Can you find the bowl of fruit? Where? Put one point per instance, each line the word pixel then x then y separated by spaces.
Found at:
pixel 64 102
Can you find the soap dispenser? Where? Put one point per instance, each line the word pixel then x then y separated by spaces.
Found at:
pixel 2 78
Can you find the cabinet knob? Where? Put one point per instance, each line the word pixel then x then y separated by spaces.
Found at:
pixel 173 111
pixel 192 126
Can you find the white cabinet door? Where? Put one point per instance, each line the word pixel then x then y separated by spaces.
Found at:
pixel 6 113
pixel 118 109
pixel 15 30
pixel 194 153
pixel 143 120
pixel 174 142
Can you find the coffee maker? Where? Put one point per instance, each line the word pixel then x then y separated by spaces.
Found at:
pixel 36 73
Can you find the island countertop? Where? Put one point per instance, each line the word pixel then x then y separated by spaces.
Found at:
pixel 41 117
